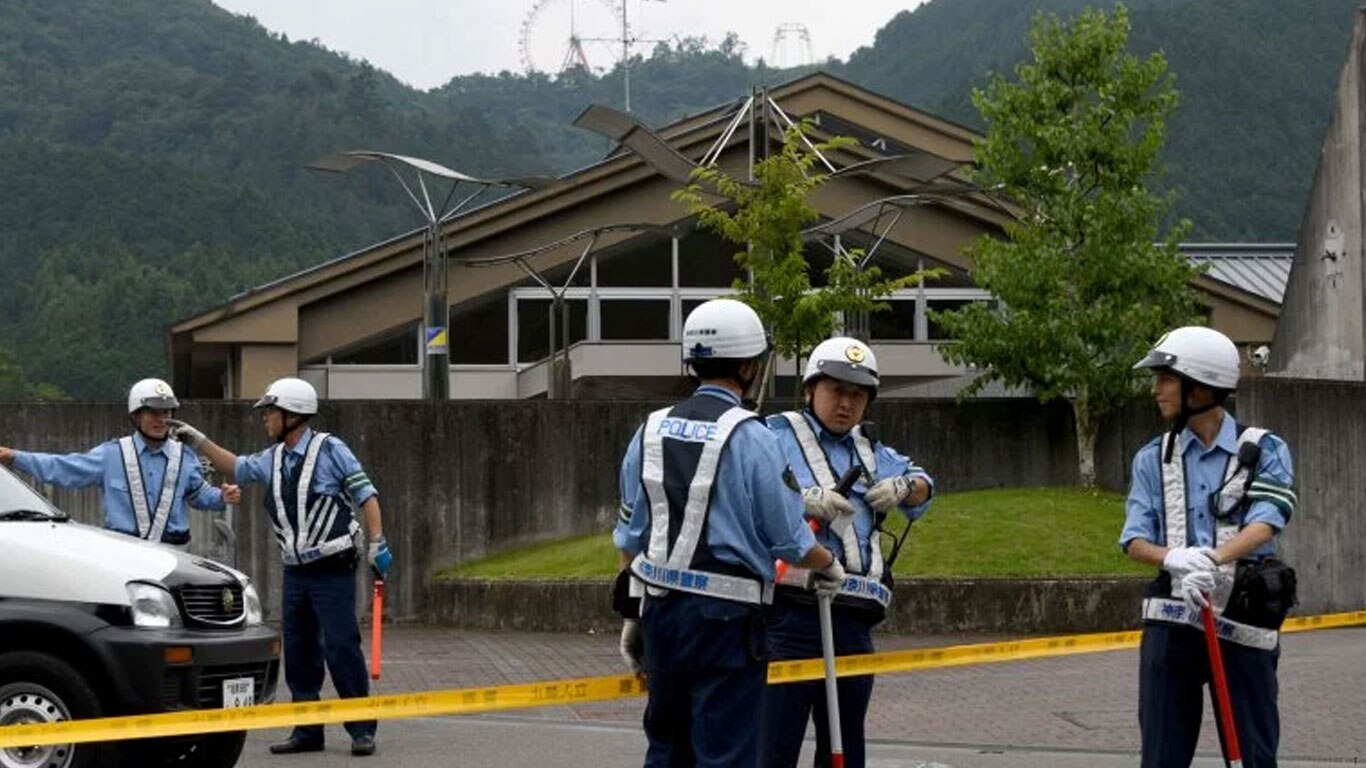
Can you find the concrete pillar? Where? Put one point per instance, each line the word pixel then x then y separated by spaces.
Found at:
pixel 1320 333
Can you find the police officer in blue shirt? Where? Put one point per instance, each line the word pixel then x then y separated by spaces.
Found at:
pixel 821 443
pixel 1206 502
pixel 315 486
pixel 147 479
pixel 706 509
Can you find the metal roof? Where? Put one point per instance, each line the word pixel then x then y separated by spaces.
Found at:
pixel 1262 269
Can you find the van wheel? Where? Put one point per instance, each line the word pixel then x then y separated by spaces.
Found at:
pixel 37 688
pixel 213 750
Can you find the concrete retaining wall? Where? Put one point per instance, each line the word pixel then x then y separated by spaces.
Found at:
pixel 464 479
pixel 1324 423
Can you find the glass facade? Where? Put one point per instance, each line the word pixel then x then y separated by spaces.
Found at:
pixel 641 290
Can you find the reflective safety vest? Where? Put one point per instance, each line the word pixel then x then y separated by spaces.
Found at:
pixel 152 522
pixel 1236 480
pixel 680 452
pixel 862 582
pixel 327 525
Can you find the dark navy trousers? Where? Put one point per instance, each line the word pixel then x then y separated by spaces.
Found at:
pixel 706 669
pixel 319 618
pixel 1174 668
pixel 794 632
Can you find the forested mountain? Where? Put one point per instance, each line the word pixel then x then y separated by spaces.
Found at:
pixel 152 151
pixel 1256 79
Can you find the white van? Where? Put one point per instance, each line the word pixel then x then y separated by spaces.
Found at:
pixel 98 624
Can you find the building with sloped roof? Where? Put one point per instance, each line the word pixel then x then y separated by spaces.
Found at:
pixel 352 325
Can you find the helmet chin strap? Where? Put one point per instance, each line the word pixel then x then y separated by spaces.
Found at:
pixel 747 384
pixel 286 430
pixel 1187 411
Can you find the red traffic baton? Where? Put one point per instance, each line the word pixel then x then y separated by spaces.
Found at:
pixel 1233 753
pixel 377 630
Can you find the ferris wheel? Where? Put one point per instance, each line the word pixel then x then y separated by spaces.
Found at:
pixel 561 33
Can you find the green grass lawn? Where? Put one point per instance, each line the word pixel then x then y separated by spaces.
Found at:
pixel 1028 532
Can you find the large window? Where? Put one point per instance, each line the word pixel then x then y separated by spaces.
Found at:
pixel 533 327
pixel 479 332
pixel 897 322
pixel 633 319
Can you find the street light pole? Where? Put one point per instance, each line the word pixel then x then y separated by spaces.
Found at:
pixel 436 368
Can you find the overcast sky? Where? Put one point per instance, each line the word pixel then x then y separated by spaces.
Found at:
pixel 427 42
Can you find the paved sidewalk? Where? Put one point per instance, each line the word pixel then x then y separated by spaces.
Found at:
pixel 1084 703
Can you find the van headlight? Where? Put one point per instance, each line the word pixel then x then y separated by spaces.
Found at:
pixel 152 606
pixel 253 602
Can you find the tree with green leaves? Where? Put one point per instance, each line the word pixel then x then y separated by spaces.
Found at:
pixel 1082 289
pixel 767 217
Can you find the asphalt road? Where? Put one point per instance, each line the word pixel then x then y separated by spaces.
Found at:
pixel 1071 712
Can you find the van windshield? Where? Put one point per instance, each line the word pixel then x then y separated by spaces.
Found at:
pixel 17 500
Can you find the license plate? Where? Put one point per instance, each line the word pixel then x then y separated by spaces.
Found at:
pixel 239 692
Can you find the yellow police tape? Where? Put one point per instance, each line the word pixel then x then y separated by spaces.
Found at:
pixel 572 691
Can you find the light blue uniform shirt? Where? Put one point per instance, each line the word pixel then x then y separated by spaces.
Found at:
pixel 1144 516
pixel 337 473
pixel 754 517
pixel 103 465
pixel 841 454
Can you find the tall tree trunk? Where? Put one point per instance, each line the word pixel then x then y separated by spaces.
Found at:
pixel 1086 440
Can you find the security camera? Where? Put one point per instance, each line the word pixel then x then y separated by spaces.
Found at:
pixel 1260 356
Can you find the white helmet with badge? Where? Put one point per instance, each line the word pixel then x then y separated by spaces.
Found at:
pixel 292 395
pixel 845 359
pixel 1201 354
pixel 723 329
pixel 152 393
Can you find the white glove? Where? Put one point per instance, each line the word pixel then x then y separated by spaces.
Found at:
pixel 824 504
pixel 1180 561
pixel 632 646
pixel 1194 586
pixel 827 581
pixel 185 433
pixel 886 494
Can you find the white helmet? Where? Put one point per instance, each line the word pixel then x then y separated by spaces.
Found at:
pixel 290 394
pixel 1201 354
pixel 151 393
pixel 723 329
pixel 845 359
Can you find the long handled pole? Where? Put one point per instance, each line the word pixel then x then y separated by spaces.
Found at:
pixel 823 602
pixel 832 696
pixel 832 700
pixel 377 630
pixel 1233 753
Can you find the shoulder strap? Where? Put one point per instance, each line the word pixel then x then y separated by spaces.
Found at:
pixel 175 453
pixel 816 459
pixel 136 490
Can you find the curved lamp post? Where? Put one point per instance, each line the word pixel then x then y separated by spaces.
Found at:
pixel 436 376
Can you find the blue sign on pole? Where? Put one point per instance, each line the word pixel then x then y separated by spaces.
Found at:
pixel 436 341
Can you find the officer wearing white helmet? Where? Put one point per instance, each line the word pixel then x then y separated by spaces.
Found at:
pixel 315 486
pixel 147 479
pixel 822 442
pixel 1206 503
pixel 706 508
